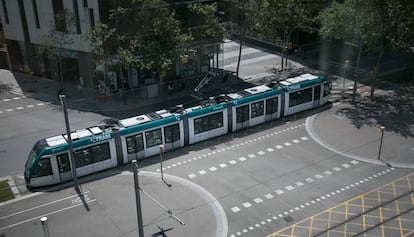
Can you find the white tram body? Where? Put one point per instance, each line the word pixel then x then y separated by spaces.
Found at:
pixel 206 122
pixel 105 146
pixel 304 92
pixel 142 135
pixel 49 162
pixel 254 106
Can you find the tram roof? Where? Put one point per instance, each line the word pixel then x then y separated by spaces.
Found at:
pixel 147 121
pixel 252 94
pixel 301 81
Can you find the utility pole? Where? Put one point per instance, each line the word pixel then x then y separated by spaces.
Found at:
pixel 359 46
pixel 382 128
pixel 161 151
pixel 138 199
pixel 69 139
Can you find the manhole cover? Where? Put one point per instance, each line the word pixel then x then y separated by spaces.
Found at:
pixel 288 219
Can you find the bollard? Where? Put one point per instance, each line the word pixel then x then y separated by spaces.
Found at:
pixel 43 220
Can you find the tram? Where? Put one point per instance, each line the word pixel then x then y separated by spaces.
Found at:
pixel 139 137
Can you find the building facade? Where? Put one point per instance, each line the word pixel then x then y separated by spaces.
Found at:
pixel 39 42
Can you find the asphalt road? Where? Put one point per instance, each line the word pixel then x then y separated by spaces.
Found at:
pixel 26 120
pixel 263 179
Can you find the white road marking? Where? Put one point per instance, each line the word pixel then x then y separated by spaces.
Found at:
pixel 212 168
pixel 295 141
pixel 287 144
pixel 268 196
pixel 191 176
pixel 242 159
pixel 251 156
pixel 247 204
pixel 269 149
pixel 222 165
pixel 261 153
pixel 279 191
pixel 258 200
pixel 279 147
pixel 233 162
pixel 235 209
pixel 202 172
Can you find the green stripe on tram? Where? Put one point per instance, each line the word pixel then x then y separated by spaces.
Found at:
pixel 206 110
pixel 151 124
pixel 251 98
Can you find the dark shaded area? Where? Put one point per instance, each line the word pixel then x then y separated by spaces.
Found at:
pixel 393 110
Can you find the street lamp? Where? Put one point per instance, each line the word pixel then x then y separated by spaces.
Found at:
pixel 285 44
pixel 137 199
pixel 45 227
pixel 161 151
pixel 382 128
pixel 359 46
pixel 70 146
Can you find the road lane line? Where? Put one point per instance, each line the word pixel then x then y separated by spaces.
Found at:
pixel 46 214
pixel 42 205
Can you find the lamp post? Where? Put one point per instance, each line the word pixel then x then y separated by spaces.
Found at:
pixel 45 227
pixel 359 46
pixel 382 128
pixel 69 139
pixel 285 44
pixel 138 199
pixel 161 151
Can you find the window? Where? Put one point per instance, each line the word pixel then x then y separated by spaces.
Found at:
pixel 317 93
pixel 91 18
pixel 92 155
pixel 6 14
pixel 100 152
pixel 300 97
pixel 63 163
pixel 83 157
pixel 209 122
pixel 135 143
pixel 43 168
pixel 242 114
pixel 76 16
pixel 36 14
pixel 326 89
pixel 257 109
pixel 85 3
pixel 271 105
pixel 59 13
pixel 153 137
pixel 172 133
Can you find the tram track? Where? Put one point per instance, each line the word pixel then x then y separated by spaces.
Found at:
pixel 370 210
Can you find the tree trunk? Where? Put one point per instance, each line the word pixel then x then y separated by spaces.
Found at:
pixel 375 72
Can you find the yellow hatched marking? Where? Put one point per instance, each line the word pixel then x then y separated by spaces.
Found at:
pixel 381 194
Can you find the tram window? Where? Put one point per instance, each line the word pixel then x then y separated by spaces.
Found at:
pixel 83 157
pixel 300 97
pixel 317 93
pixel 326 89
pixel 153 137
pixel 63 162
pixel 242 114
pixel 209 122
pixel 135 143
pixel 271 105
pixel 100 152
pixel 257 109
pixel 43 168
pixel 172 133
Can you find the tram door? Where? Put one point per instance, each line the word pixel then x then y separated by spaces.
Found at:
pixel 317 96
pixel 64 167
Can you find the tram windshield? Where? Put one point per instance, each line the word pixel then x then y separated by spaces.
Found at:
pixel 37 148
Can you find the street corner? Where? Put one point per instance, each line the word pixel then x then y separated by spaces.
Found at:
pixel 172 202
pixel 354 132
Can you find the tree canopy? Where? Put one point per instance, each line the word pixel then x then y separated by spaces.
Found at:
pixel 148 33
pixel 378 24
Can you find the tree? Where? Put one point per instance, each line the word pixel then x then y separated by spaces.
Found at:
pixel 61 31
pixel 378 24
pixel 142 33
pixel 207 22
pixel 276 20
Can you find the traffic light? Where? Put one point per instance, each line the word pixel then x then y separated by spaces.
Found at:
pixel 185 58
